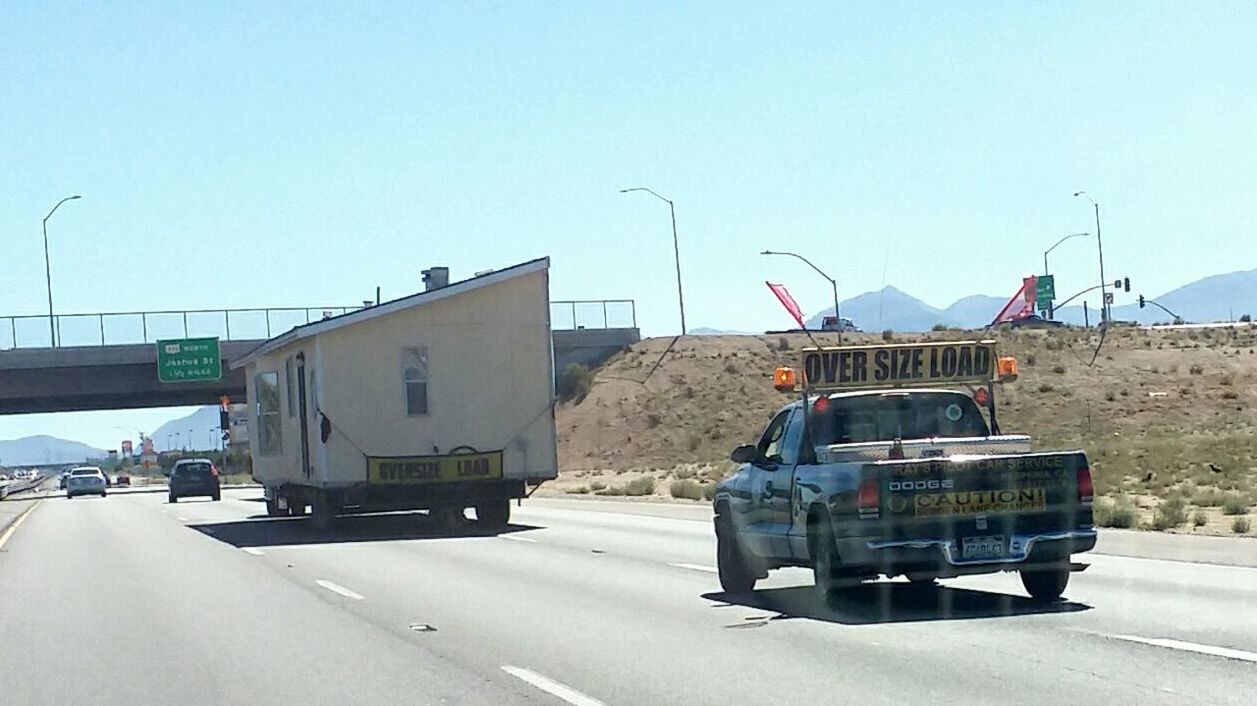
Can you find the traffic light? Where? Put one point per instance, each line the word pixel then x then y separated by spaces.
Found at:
pixel 1126 283
pixel 1141 301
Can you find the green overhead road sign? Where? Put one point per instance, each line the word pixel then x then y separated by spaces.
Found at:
pixel 1045 288
pixel 189 360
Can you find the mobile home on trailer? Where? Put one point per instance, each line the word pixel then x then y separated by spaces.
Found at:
pixel 441 400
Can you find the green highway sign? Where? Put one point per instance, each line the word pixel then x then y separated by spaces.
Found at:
pixel 189 360
pixel 1045 289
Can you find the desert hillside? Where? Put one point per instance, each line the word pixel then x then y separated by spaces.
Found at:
pixel 1162 413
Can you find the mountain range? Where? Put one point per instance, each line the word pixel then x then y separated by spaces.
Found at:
pixel 195 432
pixel 1223 297
pixel 40 450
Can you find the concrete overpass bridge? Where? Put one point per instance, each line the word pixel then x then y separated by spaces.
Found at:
pixel 109 360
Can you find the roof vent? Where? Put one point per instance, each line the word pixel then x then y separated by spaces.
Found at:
pixel 435 278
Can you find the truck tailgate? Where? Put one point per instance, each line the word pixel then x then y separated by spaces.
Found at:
pixel 969 497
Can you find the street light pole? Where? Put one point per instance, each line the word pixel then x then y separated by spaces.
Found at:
pixel 1104 296
pixel 1051 309
pixel 676 248
pixel 832 283
pixel 52 329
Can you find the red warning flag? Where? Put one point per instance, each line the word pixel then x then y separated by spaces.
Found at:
pixel 787 301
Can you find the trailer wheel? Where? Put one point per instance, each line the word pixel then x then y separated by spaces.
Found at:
pixel 447 518
pixel 494 513
pixel 321 510
pixel 272 508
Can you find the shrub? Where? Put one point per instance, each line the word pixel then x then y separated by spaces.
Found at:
pixel 578 490
pixel 939 327
pixel 1230 395
pixel 1246 318
pixel 1240 525
pixel 1199 519
pixel 597 485
pixel 1208 497
pixel 687 489
pixel 782 343
pixel 1110 397
pixel 1030 359
pixel 1044 387
pixel 1234 505
pixel 653 420
pixel 1118 513
pixel 709 491
pixel 888 335
pixel 1059 369
pixel 1226 381
pixel 574 383
pixel 640 486
pixel 1196 369
pixel 1172 512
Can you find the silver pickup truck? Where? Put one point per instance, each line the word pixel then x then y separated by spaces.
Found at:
pixel 882 468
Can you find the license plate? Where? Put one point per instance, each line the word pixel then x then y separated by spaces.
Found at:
pixel 983 547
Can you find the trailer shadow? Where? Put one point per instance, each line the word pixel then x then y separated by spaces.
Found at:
pixel 886 602
pixel 263 531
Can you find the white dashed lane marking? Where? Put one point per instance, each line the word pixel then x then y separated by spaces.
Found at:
pixel 552 687
pixel 338 589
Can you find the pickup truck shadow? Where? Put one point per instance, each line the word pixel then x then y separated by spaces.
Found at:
pixel 263 531
pixel 885 602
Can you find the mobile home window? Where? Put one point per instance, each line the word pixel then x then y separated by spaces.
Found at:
pixel 267 387
pixel 290 378
pixel 415 380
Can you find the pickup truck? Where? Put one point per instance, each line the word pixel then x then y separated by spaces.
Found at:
pixel 904 478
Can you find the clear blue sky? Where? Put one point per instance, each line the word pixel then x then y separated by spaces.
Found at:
pixel 252 154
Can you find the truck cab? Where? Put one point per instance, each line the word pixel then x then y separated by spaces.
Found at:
pixel 901 476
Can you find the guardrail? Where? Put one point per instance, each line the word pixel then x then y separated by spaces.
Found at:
pixel 11 487
pixel 131 327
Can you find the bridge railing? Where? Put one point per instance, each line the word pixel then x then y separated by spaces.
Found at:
pixel 130 327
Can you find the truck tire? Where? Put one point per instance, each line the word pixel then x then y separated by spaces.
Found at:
pixel 172 498
pixel 321 510
pixel 448 519
pixel 735 576
pixel 296 509
pixel 825 561
pixel 1045 584
pixel 494 514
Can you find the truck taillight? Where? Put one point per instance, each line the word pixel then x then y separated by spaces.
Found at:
pixel 868 501
pixel 1085 491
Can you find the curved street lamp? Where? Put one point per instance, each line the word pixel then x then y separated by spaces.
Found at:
pixel 1104 292
pixel 52 330
pixel 676 250
pixel 832 283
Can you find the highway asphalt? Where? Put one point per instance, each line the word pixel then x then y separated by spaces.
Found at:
pixel 128 599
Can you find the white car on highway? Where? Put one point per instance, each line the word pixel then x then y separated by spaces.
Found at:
pixel 85 480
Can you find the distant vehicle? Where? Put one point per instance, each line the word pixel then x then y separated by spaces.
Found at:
pixel 122 480
pixel 1034 321
pixel 194 477
pixel 870 473
pixel 85 480
pixel 831 323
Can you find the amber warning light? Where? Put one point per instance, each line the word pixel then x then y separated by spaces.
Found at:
pixel 784 379
pixel 1006 366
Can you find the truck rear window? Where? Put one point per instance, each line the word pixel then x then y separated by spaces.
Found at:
pixel 899 415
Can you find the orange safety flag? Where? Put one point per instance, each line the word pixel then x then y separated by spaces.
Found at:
pixel 787 301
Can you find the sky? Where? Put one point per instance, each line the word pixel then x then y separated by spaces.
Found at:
pixel 234 154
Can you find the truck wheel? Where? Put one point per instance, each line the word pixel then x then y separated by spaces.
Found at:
pixel 1045 584
pixel 321 510
pixel 825 562
pixel 447 518
pixel 172 498
pixel 735 577
pixel 296 509
pixel 495 513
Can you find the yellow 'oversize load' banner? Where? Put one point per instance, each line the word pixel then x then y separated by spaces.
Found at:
pixel 902 365
pixel 434 469
pixel 974 502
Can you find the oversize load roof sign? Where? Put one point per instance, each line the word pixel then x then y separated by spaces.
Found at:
pixel 900 365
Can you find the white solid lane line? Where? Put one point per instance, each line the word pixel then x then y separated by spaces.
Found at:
pixel 251 550
pixel 335 588
pixel 552 687
pixel 1175 562
pixel 513 538
pixel 1190 647
pixel 696 567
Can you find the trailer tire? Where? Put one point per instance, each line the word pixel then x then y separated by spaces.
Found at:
pixel 321 513
pixel 272 508
pixel 1046 584
pixel 495 513
pixel 447 519
pixel 296 509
